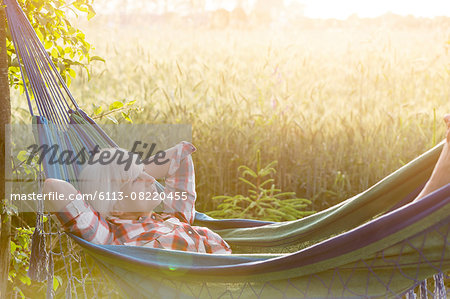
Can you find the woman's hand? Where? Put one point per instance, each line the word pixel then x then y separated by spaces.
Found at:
pixel 159 171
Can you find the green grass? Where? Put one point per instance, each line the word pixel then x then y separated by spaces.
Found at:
pixel 338 109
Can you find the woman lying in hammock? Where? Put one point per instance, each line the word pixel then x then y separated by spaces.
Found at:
pixel 133 222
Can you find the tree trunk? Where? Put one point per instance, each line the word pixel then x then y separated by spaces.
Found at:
pixel 5 165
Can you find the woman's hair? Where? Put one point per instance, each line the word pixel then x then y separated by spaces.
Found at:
pixel 107 172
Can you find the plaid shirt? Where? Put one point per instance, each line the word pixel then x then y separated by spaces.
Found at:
pixel 171 229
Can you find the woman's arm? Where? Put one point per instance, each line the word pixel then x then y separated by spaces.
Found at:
pixel 58 187
pixel 179 191
pixel 76 215
pixel 161 170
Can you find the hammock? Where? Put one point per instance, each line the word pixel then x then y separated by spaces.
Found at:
pixel 348 250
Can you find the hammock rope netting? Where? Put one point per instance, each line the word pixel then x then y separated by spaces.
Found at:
pixel 375 244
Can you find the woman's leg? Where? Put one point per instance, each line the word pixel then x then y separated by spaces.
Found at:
pixel 441 173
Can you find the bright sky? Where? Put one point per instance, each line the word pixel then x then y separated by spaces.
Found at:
pixel 341 9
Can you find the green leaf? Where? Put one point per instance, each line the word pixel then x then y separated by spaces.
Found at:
pixel 60 50
pixel 48 45
pixel 98 110
pixel 116 105
pixel 40 34
pixel 72 73
pixel 22 156
pixel 81 35
pixel 127 117
pixel 57 281
pixel 25 279
pixel 91 12
pixel 13 247
pixel 55 53
pixel 68 80
pixel 97 58
pixel 80 7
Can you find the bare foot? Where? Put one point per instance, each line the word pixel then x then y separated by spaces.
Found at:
pixel 441 172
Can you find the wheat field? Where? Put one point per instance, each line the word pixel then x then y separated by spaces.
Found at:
pixel 338 109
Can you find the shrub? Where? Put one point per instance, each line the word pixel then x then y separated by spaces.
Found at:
pixel 264 201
